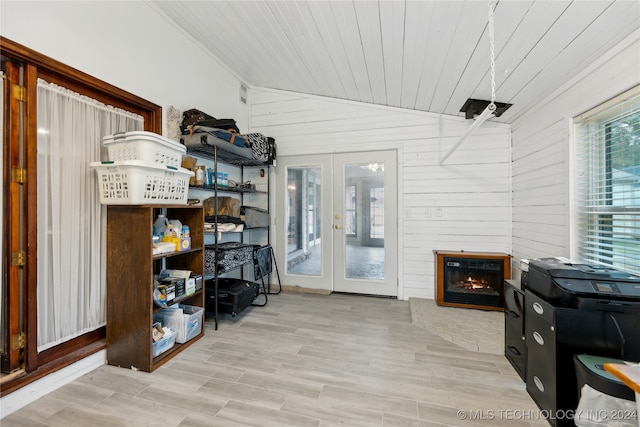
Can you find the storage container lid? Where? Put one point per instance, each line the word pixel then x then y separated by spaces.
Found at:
pixel 141 135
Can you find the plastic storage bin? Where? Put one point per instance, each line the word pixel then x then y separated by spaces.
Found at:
pixel 254 217
pixel 135 182
pixel 141 145
pixel 165 343
pixel 186 320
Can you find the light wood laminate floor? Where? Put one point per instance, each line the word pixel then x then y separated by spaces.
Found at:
pixel 302 360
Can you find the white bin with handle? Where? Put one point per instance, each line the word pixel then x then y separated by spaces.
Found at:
pixel 135 182
pixel 142 145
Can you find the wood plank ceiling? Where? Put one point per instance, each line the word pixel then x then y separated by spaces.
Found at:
pixel 422 55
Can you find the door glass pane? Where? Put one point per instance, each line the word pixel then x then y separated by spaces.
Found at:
pixel 364 211
pixel 304 213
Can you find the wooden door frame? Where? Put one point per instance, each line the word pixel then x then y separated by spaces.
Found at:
pixel 37 65
pixel 12 227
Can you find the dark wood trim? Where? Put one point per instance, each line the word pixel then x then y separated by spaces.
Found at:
pixel 31 215
pixel 72 346
pixel 54 364
pixel 5 362
pixel 37 66
pixel 11 218
pixel 74 79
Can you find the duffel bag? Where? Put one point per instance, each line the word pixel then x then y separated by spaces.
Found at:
pixel 195 117
pixel 192 117
pixel 263 147
pixel 224 124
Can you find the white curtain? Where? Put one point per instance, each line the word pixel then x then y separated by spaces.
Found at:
pixel 71 221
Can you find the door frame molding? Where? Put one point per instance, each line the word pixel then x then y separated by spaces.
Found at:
pixel 361 286
pixel 281 222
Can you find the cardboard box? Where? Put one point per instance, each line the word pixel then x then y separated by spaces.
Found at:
pixel 190 286
pixel 167 289
pixel 189 162
pixel 185 243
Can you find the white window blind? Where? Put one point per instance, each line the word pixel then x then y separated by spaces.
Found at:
pixel 608 183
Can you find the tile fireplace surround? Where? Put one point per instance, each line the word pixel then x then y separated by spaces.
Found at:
pixel 473 330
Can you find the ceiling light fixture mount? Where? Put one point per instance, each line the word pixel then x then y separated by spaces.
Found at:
pixel 473 107
pixel 490 109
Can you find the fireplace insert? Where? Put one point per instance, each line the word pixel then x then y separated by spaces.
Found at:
pixel 473 280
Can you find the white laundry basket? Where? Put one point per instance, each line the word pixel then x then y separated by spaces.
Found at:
pixel 142 145
pixel 134 182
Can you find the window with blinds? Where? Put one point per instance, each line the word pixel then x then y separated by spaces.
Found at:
pixel 608 183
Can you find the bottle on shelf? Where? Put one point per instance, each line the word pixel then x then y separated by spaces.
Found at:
pixel 171 236
pixel 199 180
pixel 176 225
pixel 160 225
pixel 169 232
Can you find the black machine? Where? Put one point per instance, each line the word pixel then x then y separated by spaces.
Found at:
pixel 574 285
pixel 575 309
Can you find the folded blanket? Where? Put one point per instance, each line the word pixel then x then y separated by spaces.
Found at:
pixel 230 136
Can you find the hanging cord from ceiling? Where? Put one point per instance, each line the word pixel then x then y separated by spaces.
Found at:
pixel 492 54
pixel 491 108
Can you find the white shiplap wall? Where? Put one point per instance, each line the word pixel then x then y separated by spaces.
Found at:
pixel 461 205
pixel 542 200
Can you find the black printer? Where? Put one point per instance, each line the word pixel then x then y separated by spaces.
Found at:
pixel 572 309
pixel 582 286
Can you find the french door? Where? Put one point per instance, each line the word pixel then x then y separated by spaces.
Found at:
pixel 13 321
pixel 336 226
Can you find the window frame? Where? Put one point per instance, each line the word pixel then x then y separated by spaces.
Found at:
pixel 599 224
pixel 37 65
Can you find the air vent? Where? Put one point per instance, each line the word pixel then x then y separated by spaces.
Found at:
pixel 243 93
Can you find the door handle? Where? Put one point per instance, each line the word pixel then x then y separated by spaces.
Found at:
pixel 513 350
pixel 338 227
pixel 512 313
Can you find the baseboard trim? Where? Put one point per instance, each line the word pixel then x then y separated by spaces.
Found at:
pixel 35 390
pixel 301 290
